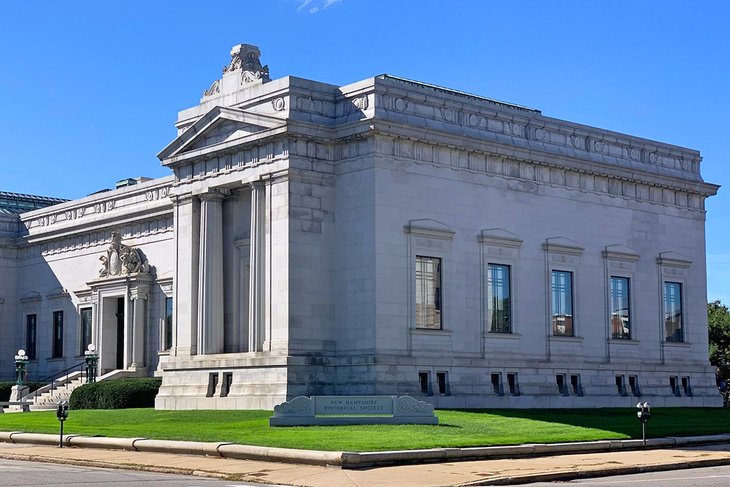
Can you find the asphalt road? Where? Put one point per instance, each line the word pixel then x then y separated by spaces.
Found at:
pixel 693 477
pixel 16 473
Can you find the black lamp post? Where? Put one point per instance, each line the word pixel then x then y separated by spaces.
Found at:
pixel 643 413
pixel 21 365
pixel 91 358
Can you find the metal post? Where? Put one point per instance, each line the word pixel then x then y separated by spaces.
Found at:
pixel 643 413
pixel 643 432
pixel 62 414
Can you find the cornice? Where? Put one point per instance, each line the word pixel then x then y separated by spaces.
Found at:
pixel 143 201
pixel 414 101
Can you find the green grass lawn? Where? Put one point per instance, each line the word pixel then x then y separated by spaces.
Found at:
pixel 456 428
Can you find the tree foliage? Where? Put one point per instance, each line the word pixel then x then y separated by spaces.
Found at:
pixel 718 320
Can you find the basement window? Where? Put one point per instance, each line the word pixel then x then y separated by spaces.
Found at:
pixel 560 379
pixel 212 384
pixel 634 385
pixel 424 380
pixel 442 379
pixel 226 385
pixel 514 386
pixel 497 383
pixel 686 386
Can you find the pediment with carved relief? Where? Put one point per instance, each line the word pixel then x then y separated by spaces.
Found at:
pixel 219 129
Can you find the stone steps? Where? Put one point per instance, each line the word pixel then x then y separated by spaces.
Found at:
pixel 49 400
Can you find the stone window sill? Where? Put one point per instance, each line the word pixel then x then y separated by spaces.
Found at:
pixel 501 336
pixel 428 331
pixel 622 341
pixel 569 339
pixel 677 344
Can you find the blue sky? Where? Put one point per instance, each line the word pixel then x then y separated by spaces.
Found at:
pixel 90 89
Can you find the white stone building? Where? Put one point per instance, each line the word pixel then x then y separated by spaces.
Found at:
pixel 384 237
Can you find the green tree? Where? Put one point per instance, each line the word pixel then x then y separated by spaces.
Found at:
pixel 718 319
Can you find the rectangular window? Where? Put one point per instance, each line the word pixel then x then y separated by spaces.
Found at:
pixel 674 385
pixel 686 386
pixel 576 385
pixel 167 339
pixel 497 383
pixel 620 315
pixel 498 299
pixel 621 385
pixel 673 312
pixel 30 336
pixel 227 382
pixel 428 292
pixel 514 386
pixel 634 385
pixel 212 384
pixel 562 302
pixel 424 381
pixel 57 334
pixel 562 385
pixel 85 329
pixel 442 378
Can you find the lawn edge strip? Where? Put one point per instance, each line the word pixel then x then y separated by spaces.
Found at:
pixel 354 460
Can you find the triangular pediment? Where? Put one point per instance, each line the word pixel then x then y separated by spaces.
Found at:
pixel 218 129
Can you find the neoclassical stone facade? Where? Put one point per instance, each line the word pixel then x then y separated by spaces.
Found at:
pixel 384 237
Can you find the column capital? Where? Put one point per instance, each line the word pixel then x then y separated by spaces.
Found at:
pixel 216 194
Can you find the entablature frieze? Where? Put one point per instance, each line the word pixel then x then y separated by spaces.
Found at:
pixel 98 211
pixel 589 178
pixel 52 245
pixel 450 111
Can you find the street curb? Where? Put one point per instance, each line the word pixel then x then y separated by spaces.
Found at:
pixel 566 476
pixel 353 460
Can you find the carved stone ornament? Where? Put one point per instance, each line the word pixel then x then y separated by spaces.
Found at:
pixel 214 89
pixel 245 57
pixel 122 260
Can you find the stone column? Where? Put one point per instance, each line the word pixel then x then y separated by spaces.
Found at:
pixel 256 299
pixel 139 297
pixel 210 274
pixel 185 299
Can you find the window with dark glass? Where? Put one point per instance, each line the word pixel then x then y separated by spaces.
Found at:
pixel 424 382
pixel 428 292
pixel 673 312
pixel 442 379
pixel 514 386
pixel 619 312
pixel 497 383
pixel 167 343
pixel 85 329
pixel 57 334
pixel 562 303
pixel 30 336
pixel 498 298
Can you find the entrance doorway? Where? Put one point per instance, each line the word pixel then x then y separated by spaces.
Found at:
pixel 120 333
pixel 111 333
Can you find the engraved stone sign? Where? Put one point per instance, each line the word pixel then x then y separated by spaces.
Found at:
pixel 353 405
pixel 334 410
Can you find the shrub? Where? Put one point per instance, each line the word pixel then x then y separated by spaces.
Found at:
pixel 116 394
pixel 5 387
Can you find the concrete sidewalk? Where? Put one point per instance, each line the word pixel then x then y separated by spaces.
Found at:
pixel 483 472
